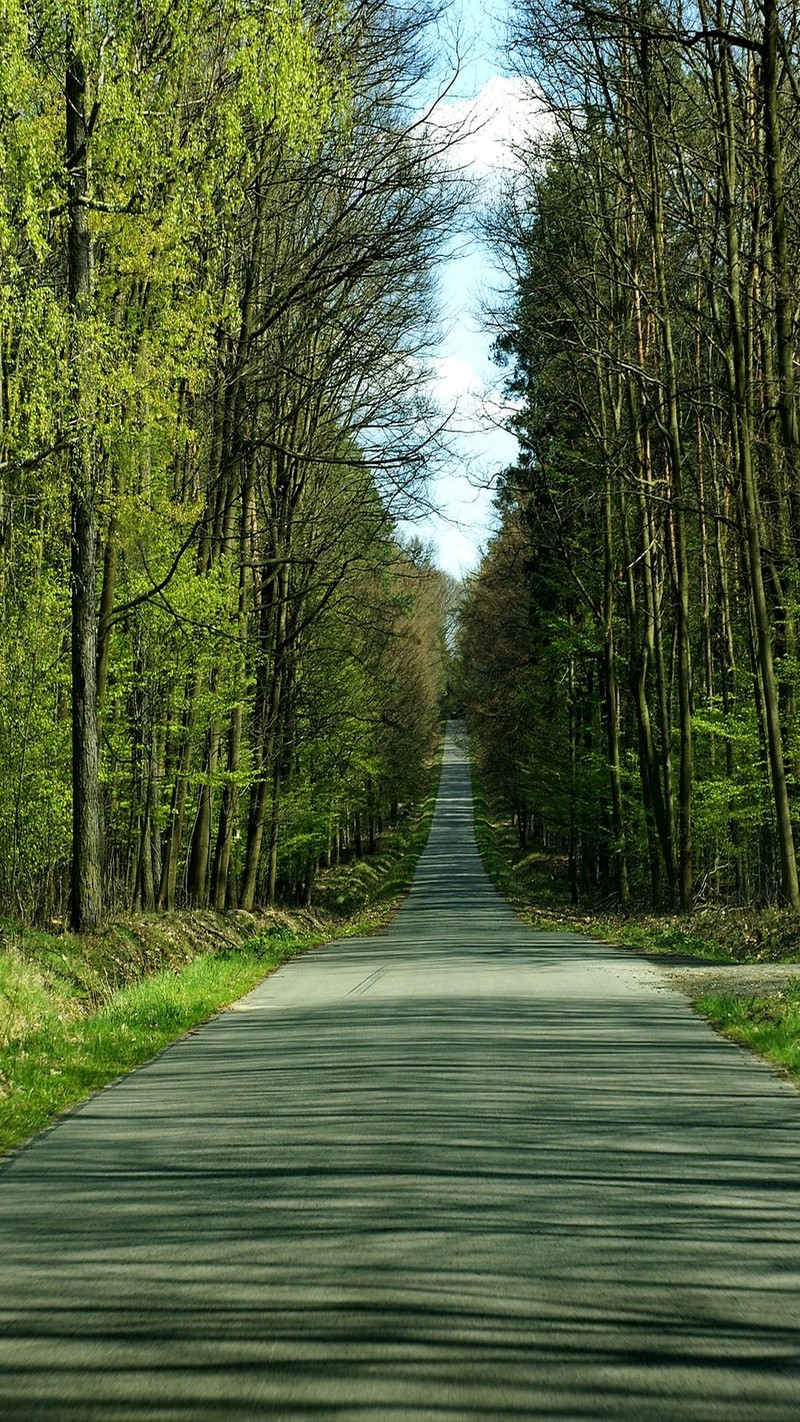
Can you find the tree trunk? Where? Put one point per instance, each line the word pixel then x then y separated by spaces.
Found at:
pixel 674 449
pixel 274 616
pixel 169 869
pixel 87 891
pixel 612 713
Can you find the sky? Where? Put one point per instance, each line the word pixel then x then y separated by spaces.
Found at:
pixel 466 380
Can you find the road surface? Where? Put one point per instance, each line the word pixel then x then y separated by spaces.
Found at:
pixel 461 1170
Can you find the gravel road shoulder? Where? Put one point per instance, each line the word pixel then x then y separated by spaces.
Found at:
pixel 739 979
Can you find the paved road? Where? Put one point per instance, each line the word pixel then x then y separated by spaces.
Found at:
pixel 462 1170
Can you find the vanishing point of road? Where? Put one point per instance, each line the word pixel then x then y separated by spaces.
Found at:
pixel 460 1170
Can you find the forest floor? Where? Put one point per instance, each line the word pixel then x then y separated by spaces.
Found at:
pixel 76 1012
pixel 740 966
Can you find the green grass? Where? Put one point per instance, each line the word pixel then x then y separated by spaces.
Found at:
pixel 77 1013
pixel 769 1025
pixel 61 1057
pixel 647 937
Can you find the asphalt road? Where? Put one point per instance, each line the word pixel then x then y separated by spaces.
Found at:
pixel 462 1170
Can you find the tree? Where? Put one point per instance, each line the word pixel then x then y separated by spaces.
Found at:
pixel 651 246
pixel 212 407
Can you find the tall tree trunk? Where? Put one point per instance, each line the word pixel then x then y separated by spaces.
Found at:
pixel 197 871
pixel 674 450
pixel 172 848
pixel 275 617
pixel 573 783
pixel 647 645
pixel 612 711
pixel 87 891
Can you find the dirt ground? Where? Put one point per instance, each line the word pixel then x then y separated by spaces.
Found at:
pixel 741 979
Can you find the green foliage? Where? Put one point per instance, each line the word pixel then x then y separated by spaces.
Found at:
pixel 382 879
pixel 35 813
pixel 254 199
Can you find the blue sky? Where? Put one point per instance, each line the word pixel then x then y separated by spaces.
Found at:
pixel 464 372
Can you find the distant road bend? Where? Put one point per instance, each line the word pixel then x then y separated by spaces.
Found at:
pixel 460 1170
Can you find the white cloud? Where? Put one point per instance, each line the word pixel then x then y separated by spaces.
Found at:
pixel 501 116
pixel 458 388
pixel 480 449
pixel 478 410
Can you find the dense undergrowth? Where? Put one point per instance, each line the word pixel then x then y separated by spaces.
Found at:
pixel 537 885
pixel 78 1011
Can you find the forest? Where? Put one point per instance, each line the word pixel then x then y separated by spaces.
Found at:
pixel 630 644
pixel 220 666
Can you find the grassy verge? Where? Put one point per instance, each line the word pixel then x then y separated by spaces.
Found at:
pixel 769 1025
pixel 56 1053
pixel 75 1013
